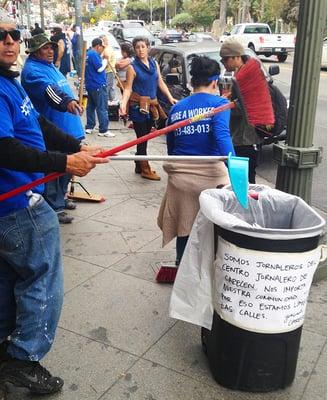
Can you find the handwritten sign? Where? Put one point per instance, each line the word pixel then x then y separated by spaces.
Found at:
pixel 262 291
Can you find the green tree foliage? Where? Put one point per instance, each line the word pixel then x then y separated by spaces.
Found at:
pixel 265 10
pixel 203 12
pixel 290 11
pixel 136 9
pixel 183 20
pixel 106 13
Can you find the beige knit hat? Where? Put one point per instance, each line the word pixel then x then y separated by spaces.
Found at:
pixel 231 48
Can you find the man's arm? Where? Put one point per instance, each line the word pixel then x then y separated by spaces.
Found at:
pixel 15 155
pixel 61 101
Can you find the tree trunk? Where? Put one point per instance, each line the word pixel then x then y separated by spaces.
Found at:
pixel 222 16
pixel 246 11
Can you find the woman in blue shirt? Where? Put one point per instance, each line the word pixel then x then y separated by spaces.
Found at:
pixel 206 137
pixel 143 78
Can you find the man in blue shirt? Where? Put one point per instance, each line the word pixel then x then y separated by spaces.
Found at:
pixel 75 46
pixel 31 284
pixel 52 97
pixel 97 93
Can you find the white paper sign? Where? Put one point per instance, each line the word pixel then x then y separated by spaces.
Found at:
pixel 263 291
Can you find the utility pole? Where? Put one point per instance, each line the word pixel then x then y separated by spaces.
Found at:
pixel 79 31
pixel 298 156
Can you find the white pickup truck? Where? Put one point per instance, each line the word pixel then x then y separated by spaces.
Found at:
pixel 259 38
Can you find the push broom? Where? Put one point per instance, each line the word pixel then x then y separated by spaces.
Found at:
pixel 254 99
pixel 73 195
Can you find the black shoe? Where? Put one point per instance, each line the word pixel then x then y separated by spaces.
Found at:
pixel 70 204
pixel 63 218
pixel 30 375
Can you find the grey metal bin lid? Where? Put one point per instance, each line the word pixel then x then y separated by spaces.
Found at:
pixel 275 215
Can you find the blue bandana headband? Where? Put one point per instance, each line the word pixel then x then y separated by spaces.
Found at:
pixel 213 78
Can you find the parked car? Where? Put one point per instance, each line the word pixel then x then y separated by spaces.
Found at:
pixel 180 55
pixel 107 25
pixel 92 33
pixel 170 36
pixel 128 34
pixel 199 37
pixel 324 54
pixel 260 39
pixel 128 22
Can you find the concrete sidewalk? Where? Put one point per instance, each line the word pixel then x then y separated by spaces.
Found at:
pixel 115 340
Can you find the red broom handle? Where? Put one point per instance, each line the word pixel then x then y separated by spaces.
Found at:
pixel 124 146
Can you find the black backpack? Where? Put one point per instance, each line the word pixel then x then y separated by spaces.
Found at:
pixel 279 104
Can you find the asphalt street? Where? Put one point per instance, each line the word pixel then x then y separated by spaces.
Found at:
pixel 267 168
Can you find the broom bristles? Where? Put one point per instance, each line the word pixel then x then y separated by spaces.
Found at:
pixel 255 94
pixel 166 274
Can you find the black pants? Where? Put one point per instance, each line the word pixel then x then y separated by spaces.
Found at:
pixel 252 153
pixel 141 129
pixel 181 242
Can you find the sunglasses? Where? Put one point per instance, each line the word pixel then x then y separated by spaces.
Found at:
pixel 15 34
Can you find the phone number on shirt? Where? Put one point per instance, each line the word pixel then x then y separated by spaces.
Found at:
pixel 191 129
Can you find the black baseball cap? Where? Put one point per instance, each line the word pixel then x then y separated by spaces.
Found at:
pixel 97 42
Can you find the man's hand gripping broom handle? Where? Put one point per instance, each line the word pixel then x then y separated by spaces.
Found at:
pixel 124 146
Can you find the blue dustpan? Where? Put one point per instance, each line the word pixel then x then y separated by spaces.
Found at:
pixel 238 169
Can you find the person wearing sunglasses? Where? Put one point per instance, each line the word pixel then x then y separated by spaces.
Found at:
pixel 31 287
pixel 53 98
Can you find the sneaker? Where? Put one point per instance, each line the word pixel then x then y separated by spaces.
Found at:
pixel 30 375
pixel 107 134
pixel 88 131
pixel 64 218
pixel 70 204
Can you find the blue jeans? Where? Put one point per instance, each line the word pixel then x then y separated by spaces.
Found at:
pixel 55 192
pixel 111 86
pixel 97 100
pixel 31 280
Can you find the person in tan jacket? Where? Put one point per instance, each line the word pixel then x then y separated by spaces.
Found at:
pixel 109 55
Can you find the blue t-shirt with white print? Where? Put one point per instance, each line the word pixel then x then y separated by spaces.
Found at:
pixel 206 137
pixel 19 120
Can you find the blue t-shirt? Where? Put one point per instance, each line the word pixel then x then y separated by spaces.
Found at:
pixel 19 120
pixel 37 75
pixel 206 137
pixel 93 79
